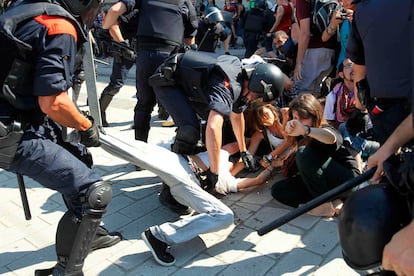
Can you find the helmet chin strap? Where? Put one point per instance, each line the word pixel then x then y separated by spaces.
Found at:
pixel 267 91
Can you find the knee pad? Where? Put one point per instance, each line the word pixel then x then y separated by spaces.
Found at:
pixel 186 140
pixel 98 195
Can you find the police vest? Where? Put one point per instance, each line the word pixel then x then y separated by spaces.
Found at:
pixel 160 23
pixel 15 62
pixel 255 21
pixel 195 67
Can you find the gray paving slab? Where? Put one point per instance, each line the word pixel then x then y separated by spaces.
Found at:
pixel 305 246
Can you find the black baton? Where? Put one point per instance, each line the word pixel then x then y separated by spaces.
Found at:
pixel 23 196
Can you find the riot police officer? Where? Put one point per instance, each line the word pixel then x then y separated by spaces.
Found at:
pixel 41 39
pixel 210 30
pixel 124 35
pixel 162 28
pixel 214 88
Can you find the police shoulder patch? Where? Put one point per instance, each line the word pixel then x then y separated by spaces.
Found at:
pixel 57 25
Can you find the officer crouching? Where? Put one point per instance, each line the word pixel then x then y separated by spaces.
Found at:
pixel 41 40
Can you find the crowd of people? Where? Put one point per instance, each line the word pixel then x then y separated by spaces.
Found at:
pixel 265 113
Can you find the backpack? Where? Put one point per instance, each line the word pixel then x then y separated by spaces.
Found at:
pixel 321 14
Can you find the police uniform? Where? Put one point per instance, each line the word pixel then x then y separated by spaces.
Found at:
pixel 388 69
pixel 121 65
pixel 253 23
pixel 41 153
pixel 162 27
pixel 207 37
pixel 204 82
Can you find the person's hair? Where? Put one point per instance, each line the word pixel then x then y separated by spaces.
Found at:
pixel 256 114
pixel 307 106
pixel 280 33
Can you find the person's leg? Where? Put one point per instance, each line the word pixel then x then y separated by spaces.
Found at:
pixel 119 74
pixel 184 116
pixel 291 191
pixel 316 64
pixel 57 169
pixel 147 62
pixel 319 172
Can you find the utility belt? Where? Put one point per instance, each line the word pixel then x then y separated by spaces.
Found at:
pixel 157 45
pixel 10 136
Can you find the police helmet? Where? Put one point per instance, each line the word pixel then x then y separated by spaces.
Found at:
pixel 367 222
pixel 213 15
pixel 86 10
pixel 259 4
pixel 266 79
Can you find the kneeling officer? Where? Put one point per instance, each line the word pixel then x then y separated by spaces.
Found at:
pixel 197 85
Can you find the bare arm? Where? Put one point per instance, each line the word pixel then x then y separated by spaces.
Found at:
pixel 114 12
pixel 279 14
pixel 238 125
pixel 303 44
pixel 401 135
pixel 213 139
pixel 116 33
pixel 61 109
pixel 323 135
pixel 398 254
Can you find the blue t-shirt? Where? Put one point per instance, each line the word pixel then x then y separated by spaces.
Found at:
pixel 379 39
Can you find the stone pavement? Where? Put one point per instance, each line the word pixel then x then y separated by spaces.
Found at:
pixel 305 246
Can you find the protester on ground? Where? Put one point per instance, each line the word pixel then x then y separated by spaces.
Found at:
pixel 36 108
pixel 321 159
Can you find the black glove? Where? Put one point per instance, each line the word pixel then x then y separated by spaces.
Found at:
pixel 103 34
pixel 357 122
pixel 90 137
pixel 249 161
pixel 208 180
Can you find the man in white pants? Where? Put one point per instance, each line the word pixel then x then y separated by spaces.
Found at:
pixel 211 214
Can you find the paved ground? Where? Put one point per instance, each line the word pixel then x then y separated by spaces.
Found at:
pixel 305 246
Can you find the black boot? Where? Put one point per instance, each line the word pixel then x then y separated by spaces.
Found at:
pixel 168 200
pixel 104 101
pixel 104 238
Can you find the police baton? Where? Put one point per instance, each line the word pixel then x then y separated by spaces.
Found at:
pixel 23 195
pixel 328 196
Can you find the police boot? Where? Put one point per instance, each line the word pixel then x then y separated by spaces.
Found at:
pixel 74 235
pixel 165 197
pixel 104 101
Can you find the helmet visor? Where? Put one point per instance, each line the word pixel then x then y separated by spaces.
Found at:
pixel 90 13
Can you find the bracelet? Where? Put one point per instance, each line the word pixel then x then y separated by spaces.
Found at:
pixel 308 131
pixel 329 30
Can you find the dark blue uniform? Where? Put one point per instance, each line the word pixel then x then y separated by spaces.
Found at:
pixel 41 40
pixel 195 93
pixel 42 154
pixel 162 27
pixel 121 65
pixel 387 62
